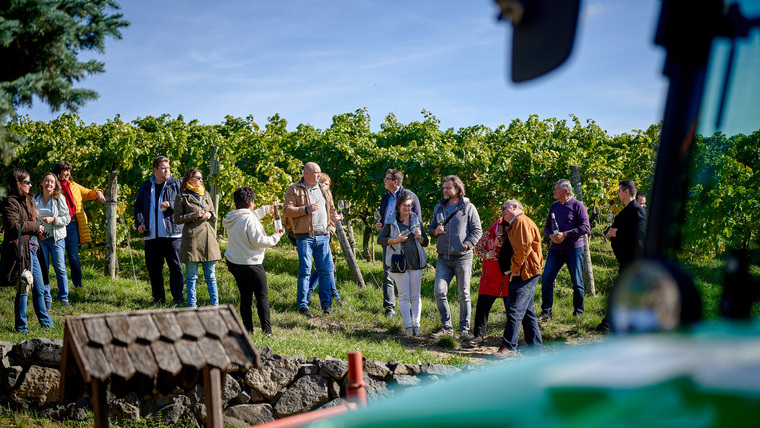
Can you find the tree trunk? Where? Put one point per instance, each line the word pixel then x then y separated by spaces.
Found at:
pixel 368 245
pixel 350 255
pixel 212 187
pixel 112 261
pixel 588 269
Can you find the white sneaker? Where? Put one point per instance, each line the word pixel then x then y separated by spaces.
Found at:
pixel 443 332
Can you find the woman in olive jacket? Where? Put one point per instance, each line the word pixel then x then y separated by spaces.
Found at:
pixel 20 245
pixel 194 209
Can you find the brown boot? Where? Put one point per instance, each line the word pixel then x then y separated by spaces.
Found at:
pixel 504 352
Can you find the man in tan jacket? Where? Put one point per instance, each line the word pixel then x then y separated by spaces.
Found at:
pixel 525 239
pixel 309 207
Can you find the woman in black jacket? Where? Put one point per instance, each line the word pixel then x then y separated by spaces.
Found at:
pixel 20 246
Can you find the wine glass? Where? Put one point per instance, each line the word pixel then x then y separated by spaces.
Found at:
pixel 341 205
pixel 377 216
pixel 440 218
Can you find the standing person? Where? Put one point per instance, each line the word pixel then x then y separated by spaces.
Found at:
pixel 525 266
pixel 493 283
pixel 641 198
pixel 629 228
pixel 154 218
pixel 395 235
pixel 194 210
pixel 77 231
pixel 309 206
pixel 20 245
pixel 566 247
pixel 456 224
pixel 245 255
pixel 54 215
pixel 393 184
pixel 325 180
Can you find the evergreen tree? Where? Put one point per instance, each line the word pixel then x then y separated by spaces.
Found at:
pixel 39 45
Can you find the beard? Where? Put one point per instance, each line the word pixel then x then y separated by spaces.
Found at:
pixel 446 196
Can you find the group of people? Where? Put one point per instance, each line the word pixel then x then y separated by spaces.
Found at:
pixel 40 228
pixel 510 249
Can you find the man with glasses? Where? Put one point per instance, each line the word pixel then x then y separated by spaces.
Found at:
pixel 393 184
pixel 154 218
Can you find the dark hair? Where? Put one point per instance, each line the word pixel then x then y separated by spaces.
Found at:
pixel 403 198
pixel 59 167
pixel 457 182
pixel 11 182
pixel 190 173
pixel 158 160
pixel 397 175
pixel 640 195
pixel 243 197
pixel 630 186
pixel 57 191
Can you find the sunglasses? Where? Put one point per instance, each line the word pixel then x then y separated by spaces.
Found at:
pixel 198 178
pixel 27 182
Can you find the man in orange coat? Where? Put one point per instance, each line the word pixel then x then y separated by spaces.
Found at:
pixel 525 239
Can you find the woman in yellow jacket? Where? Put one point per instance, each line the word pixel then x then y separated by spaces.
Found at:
pixel 76 231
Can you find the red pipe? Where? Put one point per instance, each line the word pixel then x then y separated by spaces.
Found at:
pixel 308 417
pixel 355 391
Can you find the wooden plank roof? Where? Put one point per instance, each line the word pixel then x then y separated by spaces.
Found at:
pixel 165 342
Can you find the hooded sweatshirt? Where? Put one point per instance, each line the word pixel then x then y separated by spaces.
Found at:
pixel 247 238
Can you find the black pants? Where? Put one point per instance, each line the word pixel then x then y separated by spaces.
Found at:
pixel 156 251
pixel 485 303
pixel 251 280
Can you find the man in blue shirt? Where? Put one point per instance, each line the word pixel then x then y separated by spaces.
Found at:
pixel 566 247
pixel 392 181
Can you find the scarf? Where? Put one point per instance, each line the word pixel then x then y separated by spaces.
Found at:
pixel 198 190
pixel 69 199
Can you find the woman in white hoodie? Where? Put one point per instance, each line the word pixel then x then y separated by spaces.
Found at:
pixel 245 254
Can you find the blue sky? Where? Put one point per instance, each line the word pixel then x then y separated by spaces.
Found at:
pixel 310 60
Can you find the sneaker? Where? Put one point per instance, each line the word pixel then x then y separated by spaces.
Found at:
pixel 389 313
pixel 476 342
pixel 544 318
pixel 443 332
pixel 577 314
pixel 327 310
pixel 416 331
pixel 305 312
pixel 410 331
pixel 504 352
pixel 464 335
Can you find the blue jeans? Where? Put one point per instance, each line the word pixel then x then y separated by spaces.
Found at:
pixel 318 248
pixel 554 261
pixel 520 311
pixel 445 270
pixel 191 277
pixel 313 285
pixel 38 301
pixel 72 250
pixel 55 250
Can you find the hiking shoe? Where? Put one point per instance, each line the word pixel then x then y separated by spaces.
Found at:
pixel 443 332
pixel 416 331
pixel 410 331
pixel 464 335
pixel 305 312
pixel 327 310
pixel 504 352
pixel 544 318
pixel 476 342
pixel 389 313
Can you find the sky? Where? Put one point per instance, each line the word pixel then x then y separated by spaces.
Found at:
pixel 310 60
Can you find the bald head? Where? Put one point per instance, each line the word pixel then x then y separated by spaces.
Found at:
pixel 311 173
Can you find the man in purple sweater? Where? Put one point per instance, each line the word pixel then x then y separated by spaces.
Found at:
pixel 566 247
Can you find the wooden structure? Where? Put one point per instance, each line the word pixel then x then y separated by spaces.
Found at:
pixel 152 350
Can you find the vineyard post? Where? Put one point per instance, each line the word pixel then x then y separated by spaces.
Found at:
pixel 588 269
pixel 349 254
pixel 212 188
pixel 112 262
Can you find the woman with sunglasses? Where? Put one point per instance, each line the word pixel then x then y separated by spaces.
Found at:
pixel 194 209
pixel 20 245
pixel 54 216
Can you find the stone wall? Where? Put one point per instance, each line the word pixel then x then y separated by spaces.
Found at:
pixel 283 386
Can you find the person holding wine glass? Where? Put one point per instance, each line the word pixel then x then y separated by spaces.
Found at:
pixel 245 254
pixel 393 184
pixel 194 209
pixel 54 215
pixel 493 283
pixel 404 236
pixel 457 234
pixel 338 216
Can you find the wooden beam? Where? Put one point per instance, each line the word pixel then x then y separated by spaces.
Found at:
pixel 212 390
